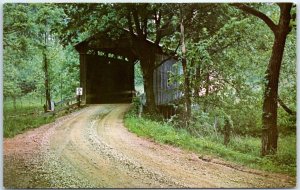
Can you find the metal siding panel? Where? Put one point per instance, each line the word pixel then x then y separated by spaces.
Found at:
pixel 166 83
pixel 165 94
pixel 171 86
pixel 157 87
pixel 162 83
pixel 162 86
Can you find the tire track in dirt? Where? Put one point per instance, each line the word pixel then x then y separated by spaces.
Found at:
pixel 92 149
pixel 186 168
pixel 102 164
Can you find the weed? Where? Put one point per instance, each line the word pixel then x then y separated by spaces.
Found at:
pixel 20 124
pixel 26 116
pixel 243 150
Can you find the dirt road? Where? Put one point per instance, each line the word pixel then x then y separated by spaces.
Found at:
pixel 91 148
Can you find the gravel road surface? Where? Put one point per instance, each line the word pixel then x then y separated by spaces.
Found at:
pixel 91 148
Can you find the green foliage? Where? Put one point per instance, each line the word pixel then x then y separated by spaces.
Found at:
pixel 135 105
pixel 287 86
pixel 242 150
pixel 25 27
pixel 11 87
pixel 24 35
pixel 231 63
pixel 138 78
pixel 65 74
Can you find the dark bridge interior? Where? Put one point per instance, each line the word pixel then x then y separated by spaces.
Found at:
pixel 109 80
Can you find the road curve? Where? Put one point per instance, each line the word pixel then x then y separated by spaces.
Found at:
pixel 91 148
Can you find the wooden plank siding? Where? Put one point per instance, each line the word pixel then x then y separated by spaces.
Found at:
pixel 164 91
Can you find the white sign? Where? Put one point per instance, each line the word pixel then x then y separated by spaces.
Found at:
pixel 79 91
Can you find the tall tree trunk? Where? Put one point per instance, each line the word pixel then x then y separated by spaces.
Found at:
pixel 269 117
pixel 186 76
pixel 281 30
pixel 148 86
pixel 46 80
pixel 147 66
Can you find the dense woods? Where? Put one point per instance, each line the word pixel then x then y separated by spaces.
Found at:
pixel 238 60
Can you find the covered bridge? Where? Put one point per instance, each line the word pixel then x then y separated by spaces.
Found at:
pixel 107 70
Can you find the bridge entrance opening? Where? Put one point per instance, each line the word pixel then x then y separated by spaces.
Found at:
pixel 109 80
pixel 107 68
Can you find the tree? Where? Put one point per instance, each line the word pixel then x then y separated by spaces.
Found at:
pixel 16 45
pixel 186 71
pixel 11 87
pixel 280 31
pixel 48 19
pixel 138 16
pixel 65 73
pixel 29 33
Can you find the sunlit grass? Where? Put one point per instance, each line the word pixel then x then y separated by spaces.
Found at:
pixel 242 150
pixel 26 116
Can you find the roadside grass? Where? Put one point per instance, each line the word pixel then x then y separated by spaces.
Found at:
pixel 28 115
pixel 22 107
pixel 241 150
pixel 14 126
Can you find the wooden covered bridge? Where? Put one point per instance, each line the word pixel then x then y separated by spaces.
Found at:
pixel 107 70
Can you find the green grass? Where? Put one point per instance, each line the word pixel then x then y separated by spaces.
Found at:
pixel 241 150
pixel 26 116
pixel 26 105
pixel 14 126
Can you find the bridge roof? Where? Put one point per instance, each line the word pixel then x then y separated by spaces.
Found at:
pixel 122 44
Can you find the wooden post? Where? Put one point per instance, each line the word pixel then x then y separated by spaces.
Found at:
pixel 78 100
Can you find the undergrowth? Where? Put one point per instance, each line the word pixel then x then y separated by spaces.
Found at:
pixel 20 124
pixel 25 117
pixel 243 150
